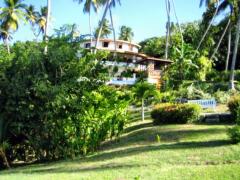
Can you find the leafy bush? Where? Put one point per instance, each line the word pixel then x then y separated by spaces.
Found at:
pixel 221 76
pixel 222 97
pixel 193 93
pixel 57 105
pixel 234 106
pixel 234 134
pixel 168 96
pixel 175 113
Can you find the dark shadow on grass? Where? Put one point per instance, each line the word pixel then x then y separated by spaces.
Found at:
pixel 119 154
pixel 145 135
pixel 138 127
pixel 109 166
pixel 143 149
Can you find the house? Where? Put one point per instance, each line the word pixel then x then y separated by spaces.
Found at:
pixel 131 64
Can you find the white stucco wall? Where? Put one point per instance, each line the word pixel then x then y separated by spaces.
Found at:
pixel 111 46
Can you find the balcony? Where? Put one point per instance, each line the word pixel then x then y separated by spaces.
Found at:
pixel 122 81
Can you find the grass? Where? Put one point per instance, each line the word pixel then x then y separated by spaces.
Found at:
pixel 184 152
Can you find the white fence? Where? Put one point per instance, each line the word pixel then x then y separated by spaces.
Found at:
pixel 205 103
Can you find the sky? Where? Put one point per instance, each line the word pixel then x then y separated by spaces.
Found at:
pixel 147 18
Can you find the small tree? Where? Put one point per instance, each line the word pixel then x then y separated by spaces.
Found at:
pixel 142 91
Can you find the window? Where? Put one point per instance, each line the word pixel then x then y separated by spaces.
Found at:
pixel 87 45
pixel 120 46
pixel 105 44
pixel 157 65
pixel 131 47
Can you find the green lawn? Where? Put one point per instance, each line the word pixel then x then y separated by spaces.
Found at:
pixel 184 152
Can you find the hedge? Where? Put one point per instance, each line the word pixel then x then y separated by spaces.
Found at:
pixel 169 113
pixel 234 107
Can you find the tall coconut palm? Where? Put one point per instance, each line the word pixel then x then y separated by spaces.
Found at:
pixel 109 4
pixel 98 36
pixel 42 19
pixel 126 33
pixel 106 30
pixel 32 16
pixel 232 87
pixel 113 5
pixel 207 3
pixel 88 5
pixel 178 23
pixel 223 6
pixel 234 6
pixel 46 34
pixel 5 36
pixel 11 14
pixel 168 25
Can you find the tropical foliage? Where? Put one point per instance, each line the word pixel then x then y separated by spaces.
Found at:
pixel 53 95
pixel 142 91
pixel 126 33
pixel 10 16
pixel 105 29
pixel 56 105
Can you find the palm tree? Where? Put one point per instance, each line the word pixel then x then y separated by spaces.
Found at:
pixel 179 26
pixel 108 5
pixel 126 33
pixel 5 36
pixel 10 17
pixel 142 91
pixel 69 31
pixel 220 41
pixel 88 5
pixel 42 19
pixel 113 5
pixel 167 27
pixel 232 86
pixel 222 8
pixel 234 6
pixel 32 16
pixel 208 3
pixel 99 32
pixel 46 34
pixel 105 29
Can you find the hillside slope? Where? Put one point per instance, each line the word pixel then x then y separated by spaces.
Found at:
pixel 148 152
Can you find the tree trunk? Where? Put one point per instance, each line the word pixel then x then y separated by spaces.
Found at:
pixel 2 152
pixel 179 26
pixel 232 87
pixel 46 34
pixel 208 28
pixel 101 25
pixel 90 29
pixel 7 44
pixel 143 117
pixel 168 28
pixel 220 40
pixel 229 47
pixel 113 29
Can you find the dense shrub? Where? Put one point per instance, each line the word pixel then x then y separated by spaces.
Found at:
pixel 175 113
pixel 57 105
pixel 234 134
pixel 234 106
pixel 192 92
pixel 221 76
pixel 222 97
